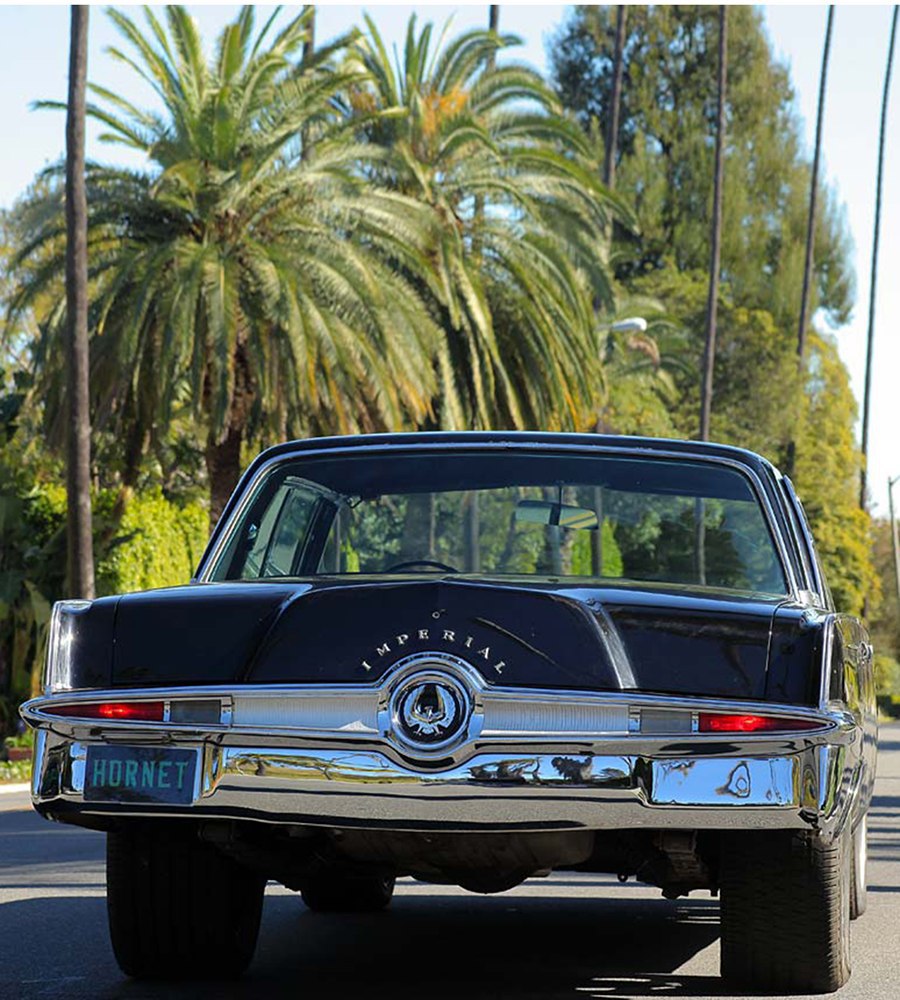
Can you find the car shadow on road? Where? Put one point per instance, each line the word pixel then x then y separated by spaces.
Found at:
pixel 434 945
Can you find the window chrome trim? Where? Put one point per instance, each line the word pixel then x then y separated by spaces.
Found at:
pixel 793 581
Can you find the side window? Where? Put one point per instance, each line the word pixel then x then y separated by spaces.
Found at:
pixel 809 559
pixel 280 534
pixel 289 533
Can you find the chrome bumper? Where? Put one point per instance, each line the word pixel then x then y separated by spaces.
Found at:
pixel 797 783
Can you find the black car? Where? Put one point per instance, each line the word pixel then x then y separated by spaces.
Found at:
pixel 472 658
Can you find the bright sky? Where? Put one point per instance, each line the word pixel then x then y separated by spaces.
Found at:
pixel 34 60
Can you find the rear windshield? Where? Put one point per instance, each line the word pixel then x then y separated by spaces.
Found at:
pixel 515 514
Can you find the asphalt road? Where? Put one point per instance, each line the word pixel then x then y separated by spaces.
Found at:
pixel 568 936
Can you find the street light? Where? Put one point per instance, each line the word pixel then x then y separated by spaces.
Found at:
pixel 894 541
pixel 631 324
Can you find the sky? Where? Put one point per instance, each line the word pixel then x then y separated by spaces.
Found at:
pixel 34 62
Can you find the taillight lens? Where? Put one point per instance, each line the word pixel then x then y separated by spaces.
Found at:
pixel 123 711
pixel 715 722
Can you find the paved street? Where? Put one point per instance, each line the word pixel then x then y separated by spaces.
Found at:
pixel 567 936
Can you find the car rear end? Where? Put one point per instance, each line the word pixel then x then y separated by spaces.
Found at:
pixel 474 660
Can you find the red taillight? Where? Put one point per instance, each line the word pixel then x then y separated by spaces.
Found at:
pixel 125 711
pixel 714 722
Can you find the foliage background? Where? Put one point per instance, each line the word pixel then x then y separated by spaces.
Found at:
pixel 417 248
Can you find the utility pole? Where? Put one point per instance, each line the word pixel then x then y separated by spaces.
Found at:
pixel 876 230
pixel 895 543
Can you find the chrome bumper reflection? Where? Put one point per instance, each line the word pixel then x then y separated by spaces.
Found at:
pixel 520 790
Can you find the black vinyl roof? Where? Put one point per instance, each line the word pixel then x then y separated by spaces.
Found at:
pixel 520 439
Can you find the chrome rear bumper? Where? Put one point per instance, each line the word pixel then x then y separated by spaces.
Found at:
pixel 796 783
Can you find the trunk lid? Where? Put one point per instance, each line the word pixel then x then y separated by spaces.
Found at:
pixel 682 640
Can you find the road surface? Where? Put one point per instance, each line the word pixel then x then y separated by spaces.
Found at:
pixel 568 936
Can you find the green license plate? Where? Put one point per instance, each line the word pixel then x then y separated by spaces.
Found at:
pixel 140 774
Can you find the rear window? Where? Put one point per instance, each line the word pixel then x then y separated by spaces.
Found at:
pixel 512 513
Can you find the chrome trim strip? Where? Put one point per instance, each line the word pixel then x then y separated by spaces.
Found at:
pixel 354 713
pixel 511 717
pixel 800 786
pixel 614 709
pixel 825 672
pixel 211 557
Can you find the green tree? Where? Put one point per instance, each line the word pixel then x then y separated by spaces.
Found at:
pixel 668 112
pixel 519 206
pixel 666 123
pixel 827 479
pixel 756 372
pixel 235 279
pixel 885 623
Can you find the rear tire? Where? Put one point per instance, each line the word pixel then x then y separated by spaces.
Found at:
pixel 338 893
pixel 178 908
pixel 858 874
pixel 785 912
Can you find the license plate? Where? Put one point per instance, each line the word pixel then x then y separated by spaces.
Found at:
pixel 140 774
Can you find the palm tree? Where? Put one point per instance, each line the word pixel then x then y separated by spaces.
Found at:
pixel 519 208
pixel 712 301
pixel 235 278
pixel 309 48
pixel 80 568
pixel 813 192
pixel 615 99
pixel 876 232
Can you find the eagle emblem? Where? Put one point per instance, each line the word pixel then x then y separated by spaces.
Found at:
pixel 429 709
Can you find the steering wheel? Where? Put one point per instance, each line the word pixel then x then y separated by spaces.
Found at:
pixel 442 567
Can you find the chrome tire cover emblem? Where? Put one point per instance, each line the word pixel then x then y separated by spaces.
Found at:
pixel 430 709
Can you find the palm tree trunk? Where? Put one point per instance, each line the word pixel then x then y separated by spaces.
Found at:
pixel 223 450
pixel 80 568
pixel 813 189
pixel 876 231
pixel 609 179
pixel 223 469
pixel 471 511
pixel 309 47
pixel 712 300
pixel 615 100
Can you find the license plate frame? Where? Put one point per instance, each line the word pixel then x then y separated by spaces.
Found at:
pixel 147 775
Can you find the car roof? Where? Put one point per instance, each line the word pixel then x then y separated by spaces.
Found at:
pixel 524 439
